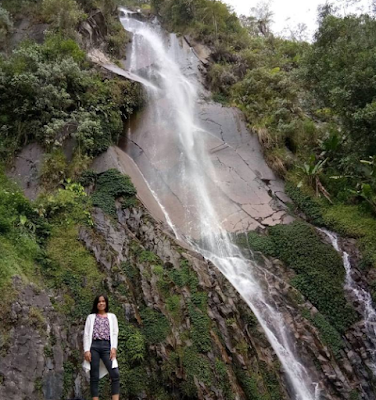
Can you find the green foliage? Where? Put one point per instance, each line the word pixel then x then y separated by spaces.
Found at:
pixel 208 20
pixel 195 366
pixel 48 94
pixel 6 24
pixel 353 221
pixel 329 335
pixel 148 256
pixel 70 267
pixel 249 385
pixel 56 46
pixel 37 319
pixel 261 243
pixel 63 15
pixel 173 307
pixel 65 206
pixel 184 277
pixel 110 186
pixel 200 331
pixel 54 169
pixel 68 379
pixel 19 227
pixel 200 300
pixel 130 270
pixel 155 325
pixel 117 39
pixel 310 207
pixel 311 171
pixel 339 68
pixel 354 395
pixel 135 347
pixel 223 380
pixel 320 273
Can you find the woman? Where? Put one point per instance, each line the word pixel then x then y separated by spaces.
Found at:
pixel 100 344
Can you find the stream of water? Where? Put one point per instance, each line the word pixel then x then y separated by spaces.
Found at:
pixel 359 296
pixel 172 98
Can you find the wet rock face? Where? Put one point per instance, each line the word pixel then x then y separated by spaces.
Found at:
pixel 27 29
pixel 29 364
pixel 93 30
pixel 246 193
pixel 26 169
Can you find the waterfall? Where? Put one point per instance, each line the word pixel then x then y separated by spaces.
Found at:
pixel 359 295
pixel 179 153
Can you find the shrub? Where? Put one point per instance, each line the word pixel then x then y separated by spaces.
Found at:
pixel 48 94
pixel 64 15
pixel 6 24
pixel 110 186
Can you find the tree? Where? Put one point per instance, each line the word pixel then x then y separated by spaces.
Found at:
pixel 263 14
pixel 5 24
pixel 62 14
pixel 340 69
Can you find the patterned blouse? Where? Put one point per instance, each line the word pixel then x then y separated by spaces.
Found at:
pixel 101 329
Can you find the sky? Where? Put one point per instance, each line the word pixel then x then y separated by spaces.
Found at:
pixel 290 12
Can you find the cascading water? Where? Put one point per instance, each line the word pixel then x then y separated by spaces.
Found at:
pixel 361 296
pixel 188 172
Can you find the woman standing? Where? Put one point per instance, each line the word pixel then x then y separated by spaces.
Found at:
pixel 100 344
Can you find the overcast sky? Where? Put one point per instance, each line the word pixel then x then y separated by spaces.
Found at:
pixel 288 12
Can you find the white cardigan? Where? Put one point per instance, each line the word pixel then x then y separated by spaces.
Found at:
pixel 88 337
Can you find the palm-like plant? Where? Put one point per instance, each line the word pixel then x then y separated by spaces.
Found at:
pixel 310 172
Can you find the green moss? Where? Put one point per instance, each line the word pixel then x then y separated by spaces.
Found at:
pixel 38 384
pixel 223 380
pixel 136 347
pixel 73 269
pixel 261 243
pixel 155 325
pixel 110 186
pixel 320 273
pixel 354 395
pixel 306 203
pixel 195 366
pixel 271 382
pixel 148 256
pixel 328 333
pixel 173 306
pixel 48 351
pixel 135 380
pixel 130 270
pixel 184 277
pixel 200 300
pixel 37 319
pixel 200 332
pixel 68 378
pixel 353 221
pixel 158 270
pixel 249 385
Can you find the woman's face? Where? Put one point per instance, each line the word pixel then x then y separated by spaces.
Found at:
pixel 101 304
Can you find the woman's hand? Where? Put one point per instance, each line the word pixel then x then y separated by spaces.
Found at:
pixel 87 356
pixel 113 354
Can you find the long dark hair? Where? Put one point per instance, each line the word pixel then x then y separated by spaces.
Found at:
pixel 94 310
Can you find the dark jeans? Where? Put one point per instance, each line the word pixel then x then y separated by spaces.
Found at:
pixel 100 349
